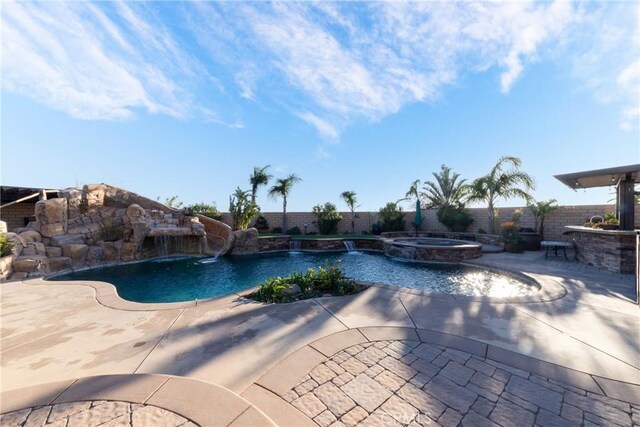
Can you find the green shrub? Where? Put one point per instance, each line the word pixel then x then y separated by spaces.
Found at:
pixel 329 279
pixel 205 209
pixel 328 218
pixel 6 246
pixel 242 209
pixel 276 230
pixel 294 231
pixel 392 217
pixel 455 218
pixel 261 224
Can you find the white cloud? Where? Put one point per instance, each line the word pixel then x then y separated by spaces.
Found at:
pixel 329 63
pixel 323 127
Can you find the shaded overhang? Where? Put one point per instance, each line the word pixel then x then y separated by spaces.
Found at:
pixel 600 177
pixel 11 195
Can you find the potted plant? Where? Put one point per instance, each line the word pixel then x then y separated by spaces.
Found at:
pixel 610 222
pixel 513 241
pixel 540 210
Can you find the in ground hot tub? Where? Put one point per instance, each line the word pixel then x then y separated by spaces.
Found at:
pixel 431 249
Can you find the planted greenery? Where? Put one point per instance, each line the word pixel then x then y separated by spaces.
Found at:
pixel 6 246
pixel 392 217
pixel 316 282
pixel 454 217
pixel 328 218
pixel 205 209
pixel 242 209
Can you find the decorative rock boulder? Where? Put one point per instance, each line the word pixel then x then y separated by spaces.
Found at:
pixel 111 250
pixel 52 217
pixel 138 222
pixel 74 201
pixel 60 263
pixel 246 241
pixel 77 253
pixel 53 251
pixel 31 264
pixel 30 236
pixel 92 197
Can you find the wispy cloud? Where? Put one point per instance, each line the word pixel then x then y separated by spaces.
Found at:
pixel 323 127
pixel 330 64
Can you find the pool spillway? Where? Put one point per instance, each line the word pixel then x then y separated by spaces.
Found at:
pixel 427 249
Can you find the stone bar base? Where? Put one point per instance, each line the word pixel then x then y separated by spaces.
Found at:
pixel 610 250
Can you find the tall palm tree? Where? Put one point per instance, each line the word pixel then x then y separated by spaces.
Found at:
pixel 504 183
pixel 447 190
pixel 257 178
pixel 282 188
pixel 350 199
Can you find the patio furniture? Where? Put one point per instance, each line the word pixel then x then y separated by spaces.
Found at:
pixel 550 244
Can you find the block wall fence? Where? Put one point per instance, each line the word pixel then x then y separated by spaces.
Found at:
pixel 15 216
pixel 553 227
pixel 18 215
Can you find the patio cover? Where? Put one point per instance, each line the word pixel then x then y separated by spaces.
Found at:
pixel 600 177
pixel 623 177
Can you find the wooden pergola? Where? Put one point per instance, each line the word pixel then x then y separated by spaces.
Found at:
pixel 623 177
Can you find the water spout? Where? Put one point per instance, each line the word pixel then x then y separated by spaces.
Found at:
pixel 294 246
pixel 351 247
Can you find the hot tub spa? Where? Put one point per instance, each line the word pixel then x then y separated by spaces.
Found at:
pixel 427 249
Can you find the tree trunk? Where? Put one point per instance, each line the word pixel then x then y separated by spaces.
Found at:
pixel 284 216
pixel 492 219
pixel 353 224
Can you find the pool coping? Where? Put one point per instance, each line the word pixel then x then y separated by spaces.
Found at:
pixel 198 401
pixel 107 295
pixel 267 392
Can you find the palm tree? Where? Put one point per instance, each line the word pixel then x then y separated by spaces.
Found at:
pixel 282 188
pixel 501 183
pixel 258 178
pixel 447 190
pixel 350 199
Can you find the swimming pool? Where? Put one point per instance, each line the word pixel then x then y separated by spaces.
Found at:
pixel 190 278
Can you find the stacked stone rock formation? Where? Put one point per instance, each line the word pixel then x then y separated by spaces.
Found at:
pixel 101 225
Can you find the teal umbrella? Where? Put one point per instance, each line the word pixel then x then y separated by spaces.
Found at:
pixel 418 219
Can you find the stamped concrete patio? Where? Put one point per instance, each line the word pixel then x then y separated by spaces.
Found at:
pixel 385 356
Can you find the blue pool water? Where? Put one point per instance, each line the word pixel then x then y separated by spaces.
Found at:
pixel 187 279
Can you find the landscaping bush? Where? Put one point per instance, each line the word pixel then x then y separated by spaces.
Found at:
pixel 6 246
pixel 276 230
pixel 294 231
pixel 205 209
pixel 455 218
pixel 261 224
pixel 328 218
pixel 242 209
pixel 329 279
pixel 392 217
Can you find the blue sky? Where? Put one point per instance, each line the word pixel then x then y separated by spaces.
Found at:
pixel 170 98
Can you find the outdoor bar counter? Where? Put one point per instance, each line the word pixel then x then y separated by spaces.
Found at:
pixel 611 250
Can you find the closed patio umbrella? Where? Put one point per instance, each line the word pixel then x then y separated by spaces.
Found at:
pixel 418 219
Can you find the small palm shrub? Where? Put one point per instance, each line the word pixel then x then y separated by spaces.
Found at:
pixel 6 246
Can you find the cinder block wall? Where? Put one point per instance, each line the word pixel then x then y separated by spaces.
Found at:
pixel 15 215
pixel 554 222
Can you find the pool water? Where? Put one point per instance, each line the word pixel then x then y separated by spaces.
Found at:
pixel 190 278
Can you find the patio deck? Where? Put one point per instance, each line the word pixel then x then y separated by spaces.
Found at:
pixel 587 340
